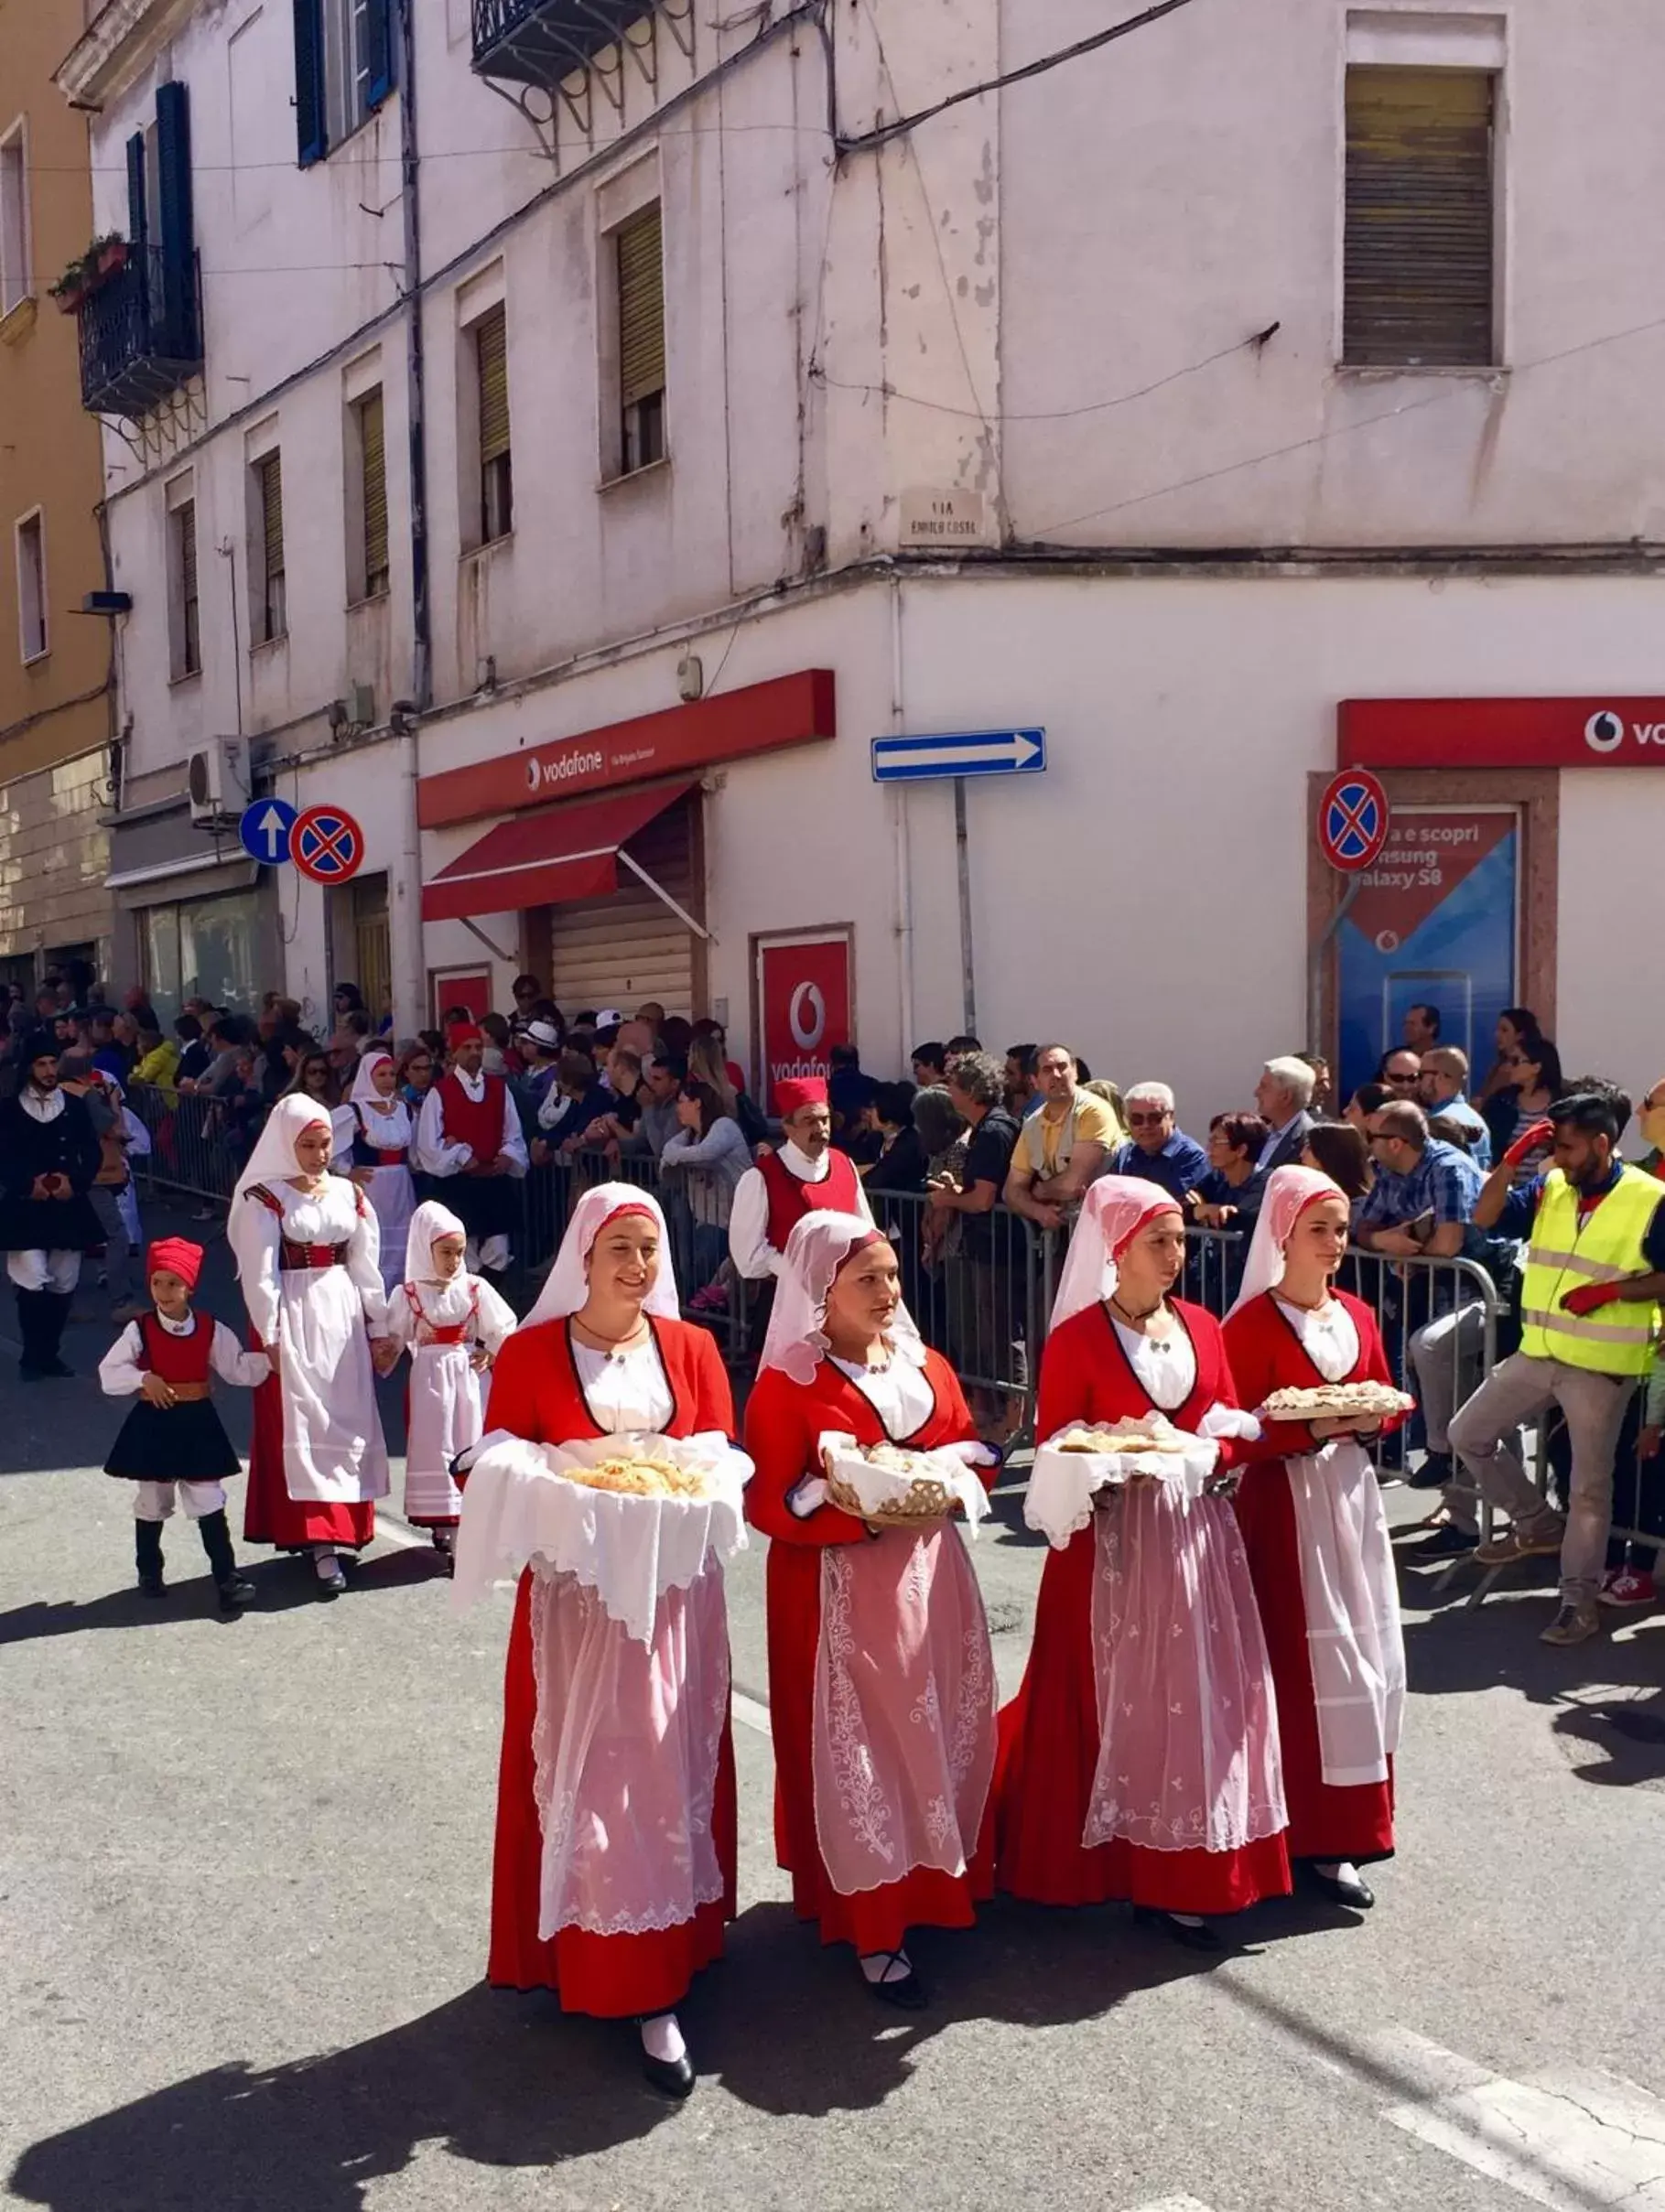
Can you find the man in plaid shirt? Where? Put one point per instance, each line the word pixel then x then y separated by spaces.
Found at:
pixel 1416 1175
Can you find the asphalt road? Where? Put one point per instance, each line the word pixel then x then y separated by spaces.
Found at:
pixel 244 1874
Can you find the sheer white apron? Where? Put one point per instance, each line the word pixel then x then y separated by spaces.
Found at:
pixel 446 1416
pixel 333 1452
pixel 393 1196
pixel 626 1744
pixel 1188 1756
pixel 1354 1645
pixel 902 1733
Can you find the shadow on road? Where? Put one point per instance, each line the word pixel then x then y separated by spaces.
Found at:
pixel 283 1585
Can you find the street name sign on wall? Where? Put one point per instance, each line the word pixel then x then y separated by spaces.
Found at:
pixel 977 753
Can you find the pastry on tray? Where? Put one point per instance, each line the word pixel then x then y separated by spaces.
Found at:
pixel 1337 1402
pixel 637 1474
pixel 1151 1434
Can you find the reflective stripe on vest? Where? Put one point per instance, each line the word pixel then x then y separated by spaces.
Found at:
pixel 1606 1246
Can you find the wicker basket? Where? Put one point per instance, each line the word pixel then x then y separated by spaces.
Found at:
pixel 928 1500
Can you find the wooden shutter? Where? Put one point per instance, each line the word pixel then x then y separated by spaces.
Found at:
pixel 491 350
pixel 185 523
pixel 176 222
pixel 621 949
pixel 376 58
pixel 374 448
pixel 1419 225
pixel 271 513
pixel 311 125
pixel 641 308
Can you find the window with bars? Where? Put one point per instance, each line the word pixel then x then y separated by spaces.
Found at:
pixel 30 539
pixel 374 564
pixel 15 279
pixel 270 605
pixel 1420 286
pixel 490 336
pixel 187 616
pixel 639 252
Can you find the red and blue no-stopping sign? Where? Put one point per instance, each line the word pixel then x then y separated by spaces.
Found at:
pixel 327 844
pixel 1353 819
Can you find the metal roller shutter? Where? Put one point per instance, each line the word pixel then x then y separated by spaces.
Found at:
pixel 641 308
pixel 490 353
pixel 619 950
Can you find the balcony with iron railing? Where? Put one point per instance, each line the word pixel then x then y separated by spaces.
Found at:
pixel 540 42
pixel 141 335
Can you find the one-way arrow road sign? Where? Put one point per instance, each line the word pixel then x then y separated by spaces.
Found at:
pixel 978 752
pixel 263 830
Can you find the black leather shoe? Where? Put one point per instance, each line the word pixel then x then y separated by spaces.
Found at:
pixel 905 1991
pixel 332 1584
pixel 236 1592
pixel 152 1585
pixel 672 2077
pixel 1356 1893
pixel 1200 1938
pixel 1433 1473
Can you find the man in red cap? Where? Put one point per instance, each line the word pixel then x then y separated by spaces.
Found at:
pixel 804 1176
pixel 470 1135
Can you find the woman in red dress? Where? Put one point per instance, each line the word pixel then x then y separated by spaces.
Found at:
pixel 1139 1758
pixel 614 1866
pixel 1318 1546
pixel 882 1680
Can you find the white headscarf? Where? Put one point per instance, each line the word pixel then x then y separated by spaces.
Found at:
pixel 1112 1213
pixel 567 1285
pixel 818 1247
pixel 363 1091
pixel 427 1225
pixel 1289 1192
pixel 273 1159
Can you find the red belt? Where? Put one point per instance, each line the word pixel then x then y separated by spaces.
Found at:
pixel 451 1335
pixel 297 1258
pixel 394 1158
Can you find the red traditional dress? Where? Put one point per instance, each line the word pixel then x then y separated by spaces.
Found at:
pixel 881 1690
pixel 1152 1599
pixel 1322 1568
pixel 539 1393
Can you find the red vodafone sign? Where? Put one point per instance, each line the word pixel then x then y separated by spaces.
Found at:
pixel 1601 731
pixel 803 1005
pixel 1353 818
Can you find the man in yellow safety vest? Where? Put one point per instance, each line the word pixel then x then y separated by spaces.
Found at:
pixel 1590 1315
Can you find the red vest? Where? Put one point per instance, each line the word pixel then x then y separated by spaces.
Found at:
pixel 478 1126
pixel 178 1359
pixel 839 1191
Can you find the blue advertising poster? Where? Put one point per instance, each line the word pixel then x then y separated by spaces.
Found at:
pixel 1436 921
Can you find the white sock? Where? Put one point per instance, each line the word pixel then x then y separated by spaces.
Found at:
pixel 324 1561
pixel 885 1966
pixel 661 2038
pixel 1338 1869
pixel 1187 1919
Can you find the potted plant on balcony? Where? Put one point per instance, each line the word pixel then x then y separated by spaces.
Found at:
pixel 102 259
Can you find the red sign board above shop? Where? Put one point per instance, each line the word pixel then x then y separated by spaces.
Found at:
pixel 1612 731
pixel 788 710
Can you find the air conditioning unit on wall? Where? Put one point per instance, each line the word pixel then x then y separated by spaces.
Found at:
pixel 218 780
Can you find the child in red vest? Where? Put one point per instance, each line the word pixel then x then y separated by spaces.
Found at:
pixel 173 1440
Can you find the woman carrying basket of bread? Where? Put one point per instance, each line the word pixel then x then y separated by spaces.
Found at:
pixel 880 1676
pixel 607 1476
pixel 1311 1517
pixel 1140 1759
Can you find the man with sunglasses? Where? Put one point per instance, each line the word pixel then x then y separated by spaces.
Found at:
pixel 1157 1149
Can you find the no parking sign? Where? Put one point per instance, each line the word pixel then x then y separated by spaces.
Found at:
pixel 1353 820
pixel 326 845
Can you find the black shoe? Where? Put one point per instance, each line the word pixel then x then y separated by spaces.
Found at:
pixel 672 2077
pixel 1199 1939
pixel 44 1370
pixel 331 1584
pixel 1433 1473
pixel 1447 1543
pixel 905 1991
pixel 235 1593
pixel 151 1585
pixel 1357 1894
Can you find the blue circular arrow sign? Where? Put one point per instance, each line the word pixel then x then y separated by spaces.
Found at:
pixel 263 831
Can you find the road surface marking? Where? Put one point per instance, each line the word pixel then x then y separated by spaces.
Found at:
pixel 1175 2204
pixel 1570 2139
pixel 750 1711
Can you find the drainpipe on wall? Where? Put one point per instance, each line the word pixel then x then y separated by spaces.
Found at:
pixel 405 918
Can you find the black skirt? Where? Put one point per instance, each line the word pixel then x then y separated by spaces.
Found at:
pixel 184 1443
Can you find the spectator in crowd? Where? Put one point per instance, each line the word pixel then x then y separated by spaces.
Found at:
pixel 137 1006
pixel 708 1057
pixel 1022 1081
pixel 707 1157
pixel 849 1091
pixel 348 999
pixel 351 1035
pixel 1226 1197
pixel 986 1317
pixel 1590 1330
pixel 108 1057
pixel 804 1175
pixel 157 1063
pixel 1524 1103
pixel 1423 1196
pixel 540 1049
pixel 900 1164
pixel 577 1099
pixel 1157 1149
pixel 1400 1071
pixel 1283 1098
pixel 956 1046
pixel 1323 1082
pixel 651 1015
pixel 314 1077
pixel 527 993
pixel 1443 1088
pixel 415 1073
pixel 194 1055
pixel 1341 1149
pixel 676 1035
pixel 1653 1118
pixel 663 1079
pixel 1368 1099
pixel 621 1080
pixel 930 1064
pixel 495 1058
pixel 1516 1026
pixel 1063 1146
pixel 1422 1032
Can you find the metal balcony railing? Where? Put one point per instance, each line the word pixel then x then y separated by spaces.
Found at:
pixel 541 41
pixel 141 336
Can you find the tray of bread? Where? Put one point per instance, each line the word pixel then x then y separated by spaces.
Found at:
pixel 1075 1468
pixel 898 1486
pixel 1338 1402
pixel 640 1471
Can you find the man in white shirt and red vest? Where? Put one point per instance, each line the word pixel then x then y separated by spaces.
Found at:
pixel 805 1175
pixel 470 1135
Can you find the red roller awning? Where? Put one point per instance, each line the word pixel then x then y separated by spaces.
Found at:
pixel 545 858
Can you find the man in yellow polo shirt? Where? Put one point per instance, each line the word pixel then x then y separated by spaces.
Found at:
pixel 1065 1142
pixel 1590 1315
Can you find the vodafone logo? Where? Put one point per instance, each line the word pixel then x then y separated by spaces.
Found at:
pixel 806 1016
pixel 1605 731
pixel 533 774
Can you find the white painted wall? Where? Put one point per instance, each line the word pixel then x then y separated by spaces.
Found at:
pixel 1610 996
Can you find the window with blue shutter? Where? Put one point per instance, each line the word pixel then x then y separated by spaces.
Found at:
pixel 176 226
pixel 311 129
pixel 376 55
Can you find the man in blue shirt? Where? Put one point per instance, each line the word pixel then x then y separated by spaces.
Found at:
pixel 1416 1175
pixel 1442 1086
pixel 1159 1150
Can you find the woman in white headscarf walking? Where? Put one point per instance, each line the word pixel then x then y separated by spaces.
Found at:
pixel 1139 1758
pixel 614 1869
pixel 305 1247
pixel 881 1686
pixel 1318 1546
pixel 373 1133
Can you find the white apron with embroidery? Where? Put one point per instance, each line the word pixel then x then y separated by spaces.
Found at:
pixel 903 1732
pixel 1355 1644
